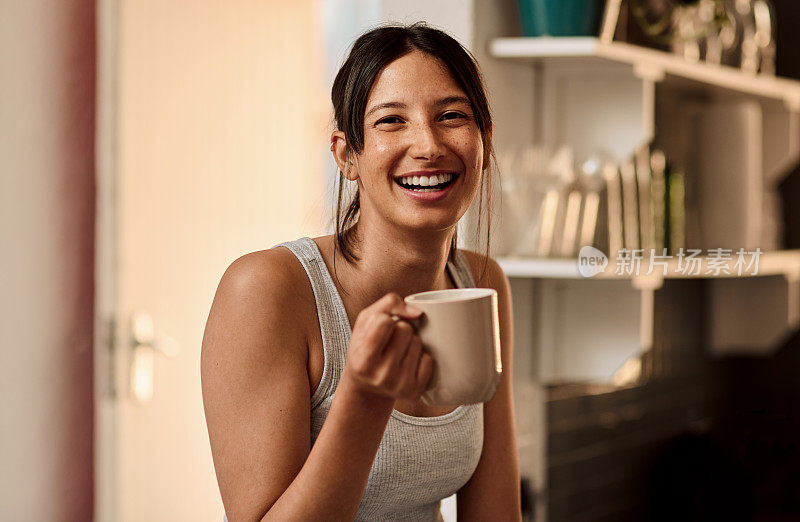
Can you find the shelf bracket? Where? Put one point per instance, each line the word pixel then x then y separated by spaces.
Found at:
pixel 793 295
pixel 653 281
pixel 792 103
pixel 648 72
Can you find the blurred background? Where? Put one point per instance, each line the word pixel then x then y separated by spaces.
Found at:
pixel 147 144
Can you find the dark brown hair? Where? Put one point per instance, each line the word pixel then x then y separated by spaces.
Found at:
pixel 370 53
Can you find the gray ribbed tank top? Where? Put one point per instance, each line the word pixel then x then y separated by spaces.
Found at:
pixel 420 460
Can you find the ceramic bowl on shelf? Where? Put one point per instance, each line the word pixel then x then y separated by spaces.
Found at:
pixel 561 17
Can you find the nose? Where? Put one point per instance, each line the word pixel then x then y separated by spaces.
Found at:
pixel 426 143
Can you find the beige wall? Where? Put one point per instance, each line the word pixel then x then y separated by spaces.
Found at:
pixel 221 132
pixel 47 74
pixel 223 102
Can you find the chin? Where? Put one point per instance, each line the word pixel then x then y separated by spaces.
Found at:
pixel 430 225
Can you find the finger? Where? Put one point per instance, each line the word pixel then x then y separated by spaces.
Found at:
pixel 376 331
pixel 411 358
pixel 408 368
pixel 397 345
pixel 393 304
pixel 386 303
pixel 407 311
pixel 424 372
pixel 415 322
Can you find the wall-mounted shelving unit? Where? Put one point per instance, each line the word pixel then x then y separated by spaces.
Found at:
pixel 610 98
pixel 744 130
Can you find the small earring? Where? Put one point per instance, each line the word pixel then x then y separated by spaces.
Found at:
pixel 349 169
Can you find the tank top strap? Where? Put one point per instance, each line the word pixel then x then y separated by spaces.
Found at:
pixel 460 271
pixel 333 322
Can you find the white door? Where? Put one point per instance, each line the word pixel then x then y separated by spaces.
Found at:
pixel 207 113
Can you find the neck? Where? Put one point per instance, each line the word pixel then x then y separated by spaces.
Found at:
pixel 391 260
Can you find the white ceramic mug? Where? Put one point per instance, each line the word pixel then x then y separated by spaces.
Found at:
pixel 461 331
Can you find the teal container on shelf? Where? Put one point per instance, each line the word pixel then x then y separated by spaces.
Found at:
pixel 561 17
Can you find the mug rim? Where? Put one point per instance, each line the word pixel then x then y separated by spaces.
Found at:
pixel 469 294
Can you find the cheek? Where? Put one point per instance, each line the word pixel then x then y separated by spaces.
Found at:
pixel 381 149
pixel 470 148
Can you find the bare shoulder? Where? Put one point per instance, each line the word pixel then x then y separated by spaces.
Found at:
pixel 258 297
pixel 274 273
pixel 254 380
pixel 485 270
pixel 269 281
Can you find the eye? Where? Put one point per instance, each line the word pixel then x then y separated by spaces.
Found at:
pixel 452 115
pixel 389 120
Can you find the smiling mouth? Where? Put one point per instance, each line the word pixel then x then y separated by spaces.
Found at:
pixel 423 188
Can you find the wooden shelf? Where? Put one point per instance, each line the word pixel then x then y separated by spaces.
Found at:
pixel 544 47
pixel 779 263
pixel 544 268
pixel 650 64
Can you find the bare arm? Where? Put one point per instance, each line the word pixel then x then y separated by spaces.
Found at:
pixel 257 398
pixel 493 491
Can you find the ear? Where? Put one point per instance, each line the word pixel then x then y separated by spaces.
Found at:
pixel 343 156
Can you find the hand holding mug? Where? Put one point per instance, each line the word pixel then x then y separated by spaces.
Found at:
pixel 385 356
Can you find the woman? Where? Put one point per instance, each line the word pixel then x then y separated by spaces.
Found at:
pixel 283 335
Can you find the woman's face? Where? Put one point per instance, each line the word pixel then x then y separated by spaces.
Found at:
pixel 418 124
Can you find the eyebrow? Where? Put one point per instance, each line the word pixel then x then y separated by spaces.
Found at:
pixel 438 103
pixel 452 99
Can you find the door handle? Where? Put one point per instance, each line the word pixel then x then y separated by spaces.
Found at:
pixel 145 343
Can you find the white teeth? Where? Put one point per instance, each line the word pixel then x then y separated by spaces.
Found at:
pixel 438 180
pixel 426 181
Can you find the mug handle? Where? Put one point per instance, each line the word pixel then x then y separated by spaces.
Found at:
pixel 415 323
